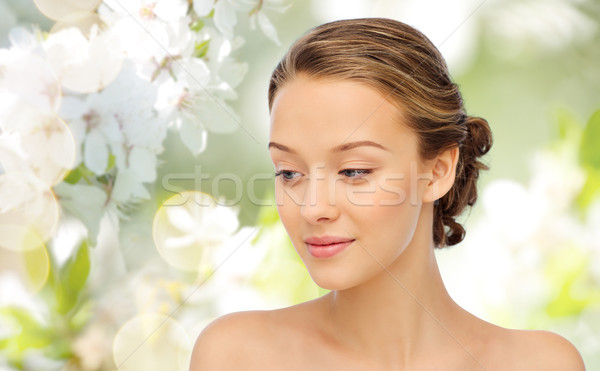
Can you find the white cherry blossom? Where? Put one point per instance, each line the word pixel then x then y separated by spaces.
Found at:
pixel 225 17
pixel 28 78
pixel 165 10
pixel 203 7
pixel 84 65
pixel 120 121
pixel 257 14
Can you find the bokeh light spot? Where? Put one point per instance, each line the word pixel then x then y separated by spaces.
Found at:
pixel 57 9
pixel 29 79
pixel 52 147
pixel 84 65
pixel 189 227
pixel 46 147
pixel 28 211
pixel 83 21
pixel 152 342
pixel 30 265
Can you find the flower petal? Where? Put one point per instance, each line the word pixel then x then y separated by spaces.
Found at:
pixel 203 7
pixel 95 152
pixel 267 28
pixel 225 18
pixel 193 135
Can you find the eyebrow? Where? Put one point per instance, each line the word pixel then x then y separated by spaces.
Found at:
pixel 341 148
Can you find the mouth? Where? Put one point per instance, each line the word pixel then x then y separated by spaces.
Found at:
pixel 327 246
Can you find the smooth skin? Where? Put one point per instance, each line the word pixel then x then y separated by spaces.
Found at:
pixel 348 167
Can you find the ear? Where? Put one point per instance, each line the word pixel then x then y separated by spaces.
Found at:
pixel 444 172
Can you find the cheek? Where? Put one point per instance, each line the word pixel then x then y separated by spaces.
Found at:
pixel 288 196
pixel 287 208
pixel 389 188
pixel 290 222
pixel 286 213
pixel 395 210
pixel 389 191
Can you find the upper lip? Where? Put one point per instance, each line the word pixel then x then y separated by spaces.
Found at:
pixel 327 240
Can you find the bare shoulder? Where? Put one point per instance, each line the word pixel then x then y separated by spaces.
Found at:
pixel 548 351
pixel 231 342
pixel 252 340
pixel 535 350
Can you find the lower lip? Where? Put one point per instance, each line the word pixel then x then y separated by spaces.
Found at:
pixel 327 251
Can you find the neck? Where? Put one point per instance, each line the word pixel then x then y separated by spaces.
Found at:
pixel 400 313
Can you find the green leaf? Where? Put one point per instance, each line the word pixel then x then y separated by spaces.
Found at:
pixel 104 179
pixel 565 303
pixel 73 277
pixel 73 176
pixel 569 128
pixel 572 287
pixel 197 25
pixel 589 158
pixel 589 152
pixel 590 189
pixel 112 160
pixel 80 171
pixel 32 334
pixel 201 49
pixel 81 318
pixel 37 266
pixel 76 270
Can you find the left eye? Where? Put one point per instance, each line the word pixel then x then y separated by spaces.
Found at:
pixel 355 173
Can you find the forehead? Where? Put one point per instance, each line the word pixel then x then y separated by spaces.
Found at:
pixel 309 111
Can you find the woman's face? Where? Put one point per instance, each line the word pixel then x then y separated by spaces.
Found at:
pixel 350 180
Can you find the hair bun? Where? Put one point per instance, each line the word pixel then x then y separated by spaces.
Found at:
pixel 464 192
pixel 479 138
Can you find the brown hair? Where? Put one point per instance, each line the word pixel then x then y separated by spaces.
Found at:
pixel 404 65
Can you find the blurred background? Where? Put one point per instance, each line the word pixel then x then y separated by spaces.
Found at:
pixel 135 265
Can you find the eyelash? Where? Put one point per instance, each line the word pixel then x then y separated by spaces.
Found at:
pixel 363 173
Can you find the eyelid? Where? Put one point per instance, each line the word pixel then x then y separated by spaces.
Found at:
pixel 280 173
pixel 362 172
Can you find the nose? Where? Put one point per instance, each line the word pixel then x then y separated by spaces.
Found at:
pixel 319 203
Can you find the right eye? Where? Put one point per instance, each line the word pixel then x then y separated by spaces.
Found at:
pixel 287 175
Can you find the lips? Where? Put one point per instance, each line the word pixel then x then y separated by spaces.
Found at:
pixel 327 240
pixel 327 246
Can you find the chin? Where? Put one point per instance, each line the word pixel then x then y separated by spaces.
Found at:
pixel 333 281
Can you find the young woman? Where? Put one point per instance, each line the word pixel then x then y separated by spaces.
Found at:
pixel 375 157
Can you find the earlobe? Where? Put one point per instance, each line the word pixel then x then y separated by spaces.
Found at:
pixel 444 173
